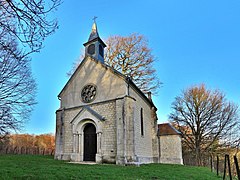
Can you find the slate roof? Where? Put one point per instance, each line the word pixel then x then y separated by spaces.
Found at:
pixel 94 36
pixel 167 129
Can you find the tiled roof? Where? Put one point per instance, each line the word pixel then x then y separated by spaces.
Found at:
pixel 167 129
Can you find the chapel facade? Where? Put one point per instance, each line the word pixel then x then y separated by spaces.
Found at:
pixel 104 117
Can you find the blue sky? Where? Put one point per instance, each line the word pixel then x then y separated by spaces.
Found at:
pixel 194 42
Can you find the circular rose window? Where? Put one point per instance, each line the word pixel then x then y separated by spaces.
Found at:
pixel 88 93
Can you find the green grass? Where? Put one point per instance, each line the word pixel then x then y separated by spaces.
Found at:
pixel 45 167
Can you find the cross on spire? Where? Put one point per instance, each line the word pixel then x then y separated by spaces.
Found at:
pixel 94 18
pixel 95 46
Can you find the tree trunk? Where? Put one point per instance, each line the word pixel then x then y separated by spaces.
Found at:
pixel 198 156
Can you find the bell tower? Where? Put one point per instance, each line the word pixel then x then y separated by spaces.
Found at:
pixel 95 46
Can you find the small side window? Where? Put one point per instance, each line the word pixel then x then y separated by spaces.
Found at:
pixel 141 116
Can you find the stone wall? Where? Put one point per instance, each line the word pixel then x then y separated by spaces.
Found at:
pixel 108 138
pixel 58 136
pixel 171 149
pixel 120 140
pixel 144 149
pixel 109 149
pixel 109 85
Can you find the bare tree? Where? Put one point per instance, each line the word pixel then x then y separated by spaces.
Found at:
pixel 17 87
pixel 131 56
pixel 205 118
pixel 24 24
pixel 27 21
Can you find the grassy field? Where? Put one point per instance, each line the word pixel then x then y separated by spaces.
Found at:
pixel 45 167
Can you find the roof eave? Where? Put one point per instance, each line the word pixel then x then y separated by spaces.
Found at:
pixel 96 39
pixel 80 65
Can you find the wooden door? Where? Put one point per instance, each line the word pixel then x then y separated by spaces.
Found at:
pixel 90 143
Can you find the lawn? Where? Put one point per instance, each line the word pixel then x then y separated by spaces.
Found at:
pixel 45 167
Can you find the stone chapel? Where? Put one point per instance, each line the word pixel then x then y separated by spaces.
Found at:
pixel 104 117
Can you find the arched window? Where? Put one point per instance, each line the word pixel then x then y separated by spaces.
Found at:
pixel 141 117
pixel 100 50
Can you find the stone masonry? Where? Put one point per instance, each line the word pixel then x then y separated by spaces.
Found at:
pixel 122 118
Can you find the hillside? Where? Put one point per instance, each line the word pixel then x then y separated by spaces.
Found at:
pixel 45 167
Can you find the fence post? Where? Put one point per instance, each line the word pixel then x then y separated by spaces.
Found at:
pixel 229 167
pixel 237 167
pixel 225 165
pixel 52 152
pixel 211 163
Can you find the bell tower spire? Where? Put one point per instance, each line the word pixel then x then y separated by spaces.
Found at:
pixel 95 46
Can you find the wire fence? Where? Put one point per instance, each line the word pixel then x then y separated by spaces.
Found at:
pixel 223 165
pixel 26 150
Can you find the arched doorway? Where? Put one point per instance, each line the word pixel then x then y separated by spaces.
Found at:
pixel 90 143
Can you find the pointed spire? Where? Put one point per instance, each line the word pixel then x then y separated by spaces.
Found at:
pixel 94 33
pixel 95 46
